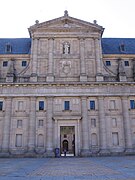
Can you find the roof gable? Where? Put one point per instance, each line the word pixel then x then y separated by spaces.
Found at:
pixel 66 22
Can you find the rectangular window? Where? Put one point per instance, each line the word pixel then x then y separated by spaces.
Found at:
pixel 18 142
pixel 93 123
pixel 5 63
pixel 108 63
pixel 40 123
pixel 41 105
pixel 115 139
pixel 112 104
pixel 19 123
pixel 114 122
pixel 66 105
pixel 20 106
pixel 132 104
pixel 92 105
pixel 24 63
pixel 126 63
pixel 8 48
pixel 1 105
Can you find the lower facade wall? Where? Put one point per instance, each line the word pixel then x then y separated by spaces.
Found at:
pixel 31 126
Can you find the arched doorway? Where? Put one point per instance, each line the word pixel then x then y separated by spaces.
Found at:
pixel 65 145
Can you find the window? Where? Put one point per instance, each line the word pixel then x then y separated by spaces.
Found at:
pixel 114 122
pixel 112 104
pixel 115 139
pixel 122 47
pixel 5 63
pixel 93 123
pixel 19 123
pixel 1 105
pixel 18 142
pixel 126 63
pixel 20 106
pixel 8 48
pixel 24 63
pixel 41 105
pixel 92 105
pixel 66 105
pixel 40 123
pixel 40 141
pixel 108 63
pixel 132 104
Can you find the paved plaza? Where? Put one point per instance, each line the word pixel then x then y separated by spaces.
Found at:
pixel 69 168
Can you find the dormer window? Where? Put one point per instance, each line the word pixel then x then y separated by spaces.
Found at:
pixel 66 48
pixel 8 48
pixel 122 47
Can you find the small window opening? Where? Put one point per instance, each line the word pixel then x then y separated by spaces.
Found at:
pixel 122 47
pixel 8 48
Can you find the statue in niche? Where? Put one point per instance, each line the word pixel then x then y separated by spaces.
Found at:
pixel 66 48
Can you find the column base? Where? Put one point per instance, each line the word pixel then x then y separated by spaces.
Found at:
pixel 33 77
pixel 10 79
pixel 129 151
pixel 49 153
pixel 122 78
pixel 104 152
pixel 83 78
pixel 50 79
pixel 85 153
pixel 99 77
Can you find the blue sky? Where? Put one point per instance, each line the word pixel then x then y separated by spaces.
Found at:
pixel 116 16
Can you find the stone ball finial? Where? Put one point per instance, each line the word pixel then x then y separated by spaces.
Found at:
pixel 37 21
pixel 95 21
pixel 65 13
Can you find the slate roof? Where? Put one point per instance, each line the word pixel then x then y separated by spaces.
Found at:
pixel 109 45
pixel 113 45
pixel 18 45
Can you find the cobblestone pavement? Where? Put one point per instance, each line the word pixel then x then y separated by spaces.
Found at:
pixel 94 168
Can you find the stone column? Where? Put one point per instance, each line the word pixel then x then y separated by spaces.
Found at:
pixel 127 125
pixel 98 56
pixel 102 127
pixel 34 59
pixel 32 126
pixel 7 124
pixel 50 76
pixel 49 128
pixel 83 76
pixel 85 131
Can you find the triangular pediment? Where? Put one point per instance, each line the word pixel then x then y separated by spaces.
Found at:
pixel 66 22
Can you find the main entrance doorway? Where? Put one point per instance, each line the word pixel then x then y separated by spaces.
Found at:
pixel 67 140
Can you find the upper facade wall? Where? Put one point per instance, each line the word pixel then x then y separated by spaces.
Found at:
pixel 67 49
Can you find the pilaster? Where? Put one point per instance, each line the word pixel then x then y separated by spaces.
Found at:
pixel 6 127
pixel 102 128
pixel 49 128
pixel 127 126
pixel 85 131
pixel 34 59
pixel 83 76
pixel 98 56
pixel 50 76
pixel 32 126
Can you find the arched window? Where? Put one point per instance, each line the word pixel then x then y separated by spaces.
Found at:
pixel 66 48
pixel 40 140
pixel 94 140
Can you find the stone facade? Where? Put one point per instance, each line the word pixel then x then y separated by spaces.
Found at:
pixel 66 93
